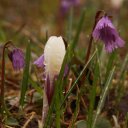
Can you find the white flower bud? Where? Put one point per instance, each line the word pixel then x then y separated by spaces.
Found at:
pixel 54 53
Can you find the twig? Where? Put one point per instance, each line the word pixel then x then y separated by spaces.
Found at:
pixel 29 120
pixel 81 98
pixel 8 126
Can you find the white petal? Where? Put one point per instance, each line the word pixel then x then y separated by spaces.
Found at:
pixel 54 53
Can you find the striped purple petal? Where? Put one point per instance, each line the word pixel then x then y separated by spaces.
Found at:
pixel 106 32
pixel 17 58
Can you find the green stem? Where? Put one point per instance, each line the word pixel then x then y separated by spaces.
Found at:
pixel 2 104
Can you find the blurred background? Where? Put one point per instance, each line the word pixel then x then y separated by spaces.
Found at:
pixel 33 18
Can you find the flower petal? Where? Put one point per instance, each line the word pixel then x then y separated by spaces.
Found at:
pixel 106 32
pixel 17 58
pixel 40 61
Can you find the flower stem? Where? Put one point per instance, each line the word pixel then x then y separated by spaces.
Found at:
pixel 89 49
pixel 2 104
pixel 97 17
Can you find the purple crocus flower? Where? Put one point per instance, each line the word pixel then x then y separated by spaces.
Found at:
pixel 17 58
pixel 67 4
pixel 106 32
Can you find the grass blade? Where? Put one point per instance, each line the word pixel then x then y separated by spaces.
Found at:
pixel 70 24
pixel 36 87
pixel 120 90
pixel 103 96
pixel 110 64
pixel 25 80
pixel 78 78
pixel 93 93
pixel 79 28
pixel 123 68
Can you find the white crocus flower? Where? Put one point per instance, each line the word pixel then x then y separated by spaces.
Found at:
pixel 54 53
pixel 51 60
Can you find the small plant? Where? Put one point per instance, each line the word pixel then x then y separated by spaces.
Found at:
pixel 17 58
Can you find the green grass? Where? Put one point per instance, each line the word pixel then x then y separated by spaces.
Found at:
pixel 25 80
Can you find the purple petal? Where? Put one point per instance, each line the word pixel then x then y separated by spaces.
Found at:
pixel 49 87
pixel 17 58
pixel 40 61
pixel 106 32
pixel 66 70
pixel 120 42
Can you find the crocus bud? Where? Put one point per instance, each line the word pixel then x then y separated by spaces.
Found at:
pixel 17 58
pixel 54 53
